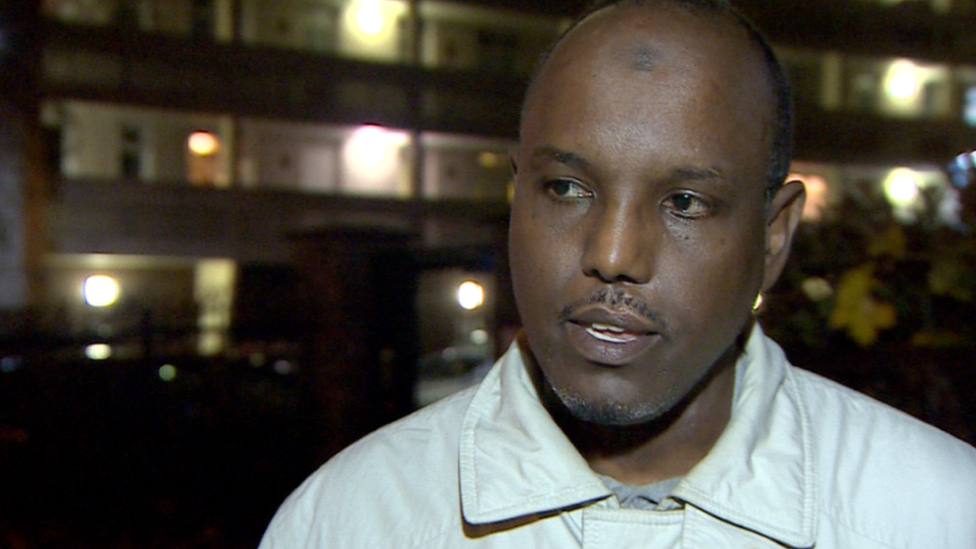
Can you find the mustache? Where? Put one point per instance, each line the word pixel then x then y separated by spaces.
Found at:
pixel 614 298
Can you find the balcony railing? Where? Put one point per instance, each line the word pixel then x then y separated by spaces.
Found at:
pixel 152 70
pixel 128 217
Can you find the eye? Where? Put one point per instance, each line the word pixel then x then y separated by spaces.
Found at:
pixel 567 190
pixel 686 204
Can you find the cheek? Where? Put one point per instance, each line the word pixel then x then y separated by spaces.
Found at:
pixel 542 253
pixel 529 247
pixel 719 276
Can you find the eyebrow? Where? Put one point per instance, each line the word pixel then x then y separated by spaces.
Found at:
pixel 578 161
pixel 692 173
pixel 566 158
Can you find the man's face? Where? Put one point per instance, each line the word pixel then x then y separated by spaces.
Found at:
pixel 638 231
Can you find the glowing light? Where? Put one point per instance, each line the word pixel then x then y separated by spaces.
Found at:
pixel 470 295
pixel 369 19
pixel 959 169
pixel 98 351
pixel 479 336
pixel 901 187
pixel 817 289
pixel 489 160
pixel 369 146
pixel 902 82
pixel 202 143
pixel 969 110
pixel 283 367
pixel 100 290
pixel 167 372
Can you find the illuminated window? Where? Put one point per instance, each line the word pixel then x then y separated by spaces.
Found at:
pixel 471 295
pixel 915 90
pixel 373 162
pixel 913 192
pixel 100 290
pixel 462 35
pixel 202 158
pixel 203 143
pixel 902 83
pixel 369 18
pixel 98 351
pixel 457 166
pixel 899 87
pixel 372 29
pixel 901 188
pixel 369 147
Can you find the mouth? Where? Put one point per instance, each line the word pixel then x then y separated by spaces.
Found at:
pixel 611 337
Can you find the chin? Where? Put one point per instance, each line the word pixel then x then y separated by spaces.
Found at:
pixel 610 413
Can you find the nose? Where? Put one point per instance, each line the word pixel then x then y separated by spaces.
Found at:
pixel 619 246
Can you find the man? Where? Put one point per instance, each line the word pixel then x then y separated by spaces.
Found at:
pixel 642 406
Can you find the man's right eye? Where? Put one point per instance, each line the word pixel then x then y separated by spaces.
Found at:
pixel 567 189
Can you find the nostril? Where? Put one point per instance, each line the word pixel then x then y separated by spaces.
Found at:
pixel 618 260
pixel 612 275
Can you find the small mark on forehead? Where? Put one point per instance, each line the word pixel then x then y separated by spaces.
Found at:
pixel 639 57
pixel 645 59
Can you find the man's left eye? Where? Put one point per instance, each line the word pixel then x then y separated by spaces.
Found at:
pixel 687 205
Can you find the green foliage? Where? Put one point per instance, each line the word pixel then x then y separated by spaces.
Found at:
pixel 859 277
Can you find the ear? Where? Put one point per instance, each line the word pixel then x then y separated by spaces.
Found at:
pixel 785 212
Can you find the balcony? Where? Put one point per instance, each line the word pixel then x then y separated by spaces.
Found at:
pixel 111 65
pixel 128 217
pixel 909 29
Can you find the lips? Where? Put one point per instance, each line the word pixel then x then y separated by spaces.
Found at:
pixel 611 337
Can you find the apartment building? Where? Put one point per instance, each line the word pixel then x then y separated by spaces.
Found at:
pixel 222 160
pixel 235 235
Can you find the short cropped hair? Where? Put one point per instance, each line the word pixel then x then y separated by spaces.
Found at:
pixel 781 147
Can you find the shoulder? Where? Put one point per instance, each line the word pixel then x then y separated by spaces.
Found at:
pixel 882 471
pixel 848 418
pixel 420 436
pixel 397 482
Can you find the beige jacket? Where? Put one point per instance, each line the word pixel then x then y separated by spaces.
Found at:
pixel 803 462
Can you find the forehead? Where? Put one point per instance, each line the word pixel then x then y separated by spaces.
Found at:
pixel 631 68
pixel 656 35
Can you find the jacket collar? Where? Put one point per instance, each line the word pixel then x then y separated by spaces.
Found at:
pixel 515 462
pixel 760 474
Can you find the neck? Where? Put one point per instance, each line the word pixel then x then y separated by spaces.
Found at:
pixel 668 446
